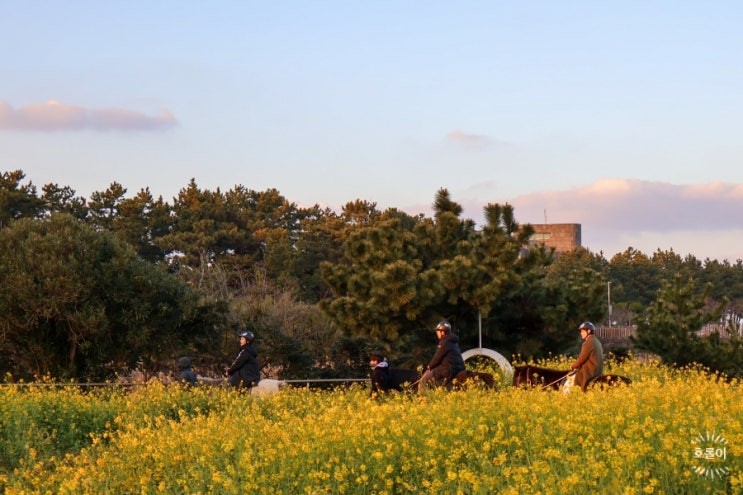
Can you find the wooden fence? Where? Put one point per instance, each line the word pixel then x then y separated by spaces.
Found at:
pixel 615 333
pixel 623 333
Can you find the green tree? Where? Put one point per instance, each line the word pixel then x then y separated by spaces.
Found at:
pixel 669 264
pixel 140 221
pixel 203 230
pixel 726 279
pixel 672 322
pixel 323 234
pixel 58 199
pixel 491 268
pixel 404 273
pixel 387 286
pixel 578 259
pixel 634 278
pixel 293 338
pixel 77 302
pixel 17 200
pixel 103 206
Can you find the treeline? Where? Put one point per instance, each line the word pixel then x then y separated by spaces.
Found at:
pixel 96 287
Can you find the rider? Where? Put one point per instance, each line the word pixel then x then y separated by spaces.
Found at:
pixel 447 362
pixel 380 380
pixel 590 362
pixel 187 375
pixel 244 371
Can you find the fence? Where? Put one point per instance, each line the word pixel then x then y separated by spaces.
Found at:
pixel 308 383
pixel 615 333
pixel 623 333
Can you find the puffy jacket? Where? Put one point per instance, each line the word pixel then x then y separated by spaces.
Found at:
pixel 380 380
pixel 244 370
pixel 447 361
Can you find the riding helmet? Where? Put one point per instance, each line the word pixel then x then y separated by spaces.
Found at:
pixel 247 334
pixel 445 326
pixel 587 325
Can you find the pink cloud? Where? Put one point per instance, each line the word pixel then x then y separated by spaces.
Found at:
pixel 468 140
pixel 636 205
pixel 615 214
pixel 56 116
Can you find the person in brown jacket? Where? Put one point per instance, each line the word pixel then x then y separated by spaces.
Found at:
pixel 590 362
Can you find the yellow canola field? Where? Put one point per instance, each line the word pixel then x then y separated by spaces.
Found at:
pixel 669 432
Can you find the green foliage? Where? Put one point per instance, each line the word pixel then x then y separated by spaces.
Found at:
pixel 634 277
pixel 80 303
pixel 294 339
pixel 672 323
pixel 48 420
pixel 388 286
pixel 381 277
pixel 58 199
pixel 139 220
pixel 405 273
pixel 16 200
pixel 727 282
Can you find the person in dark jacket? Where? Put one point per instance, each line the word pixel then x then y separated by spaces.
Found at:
pixel 187 375
pixel 447 361
pixel 380 379
pixel 244 372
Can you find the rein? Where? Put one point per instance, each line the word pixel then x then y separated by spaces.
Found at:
pixel 561 378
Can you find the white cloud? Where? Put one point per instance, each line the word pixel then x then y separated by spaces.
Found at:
pixel 56 116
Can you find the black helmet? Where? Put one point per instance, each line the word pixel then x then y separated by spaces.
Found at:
pixel 247 334
pixel 588 326
pixel 445 326
pixel 184 362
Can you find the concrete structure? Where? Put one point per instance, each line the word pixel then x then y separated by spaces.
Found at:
pixel 495 356
pixel 561 236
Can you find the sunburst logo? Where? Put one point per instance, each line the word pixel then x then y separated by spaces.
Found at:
pixel 710 455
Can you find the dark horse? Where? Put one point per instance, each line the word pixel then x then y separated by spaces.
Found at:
pixel 535 376
pixel 402 379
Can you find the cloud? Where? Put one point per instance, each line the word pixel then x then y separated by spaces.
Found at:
pixel 636 205
pixel 703 220
pixel 56 116
pixel 468 140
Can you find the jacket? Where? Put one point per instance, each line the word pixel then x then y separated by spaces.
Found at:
pixel 187 375
pixel 244 370
pixel 590 362
pixel 447 362
pixel 380 379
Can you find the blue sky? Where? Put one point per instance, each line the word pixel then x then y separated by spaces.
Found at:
pixel 624 117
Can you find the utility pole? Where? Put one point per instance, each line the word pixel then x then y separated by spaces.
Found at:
pixel 608 299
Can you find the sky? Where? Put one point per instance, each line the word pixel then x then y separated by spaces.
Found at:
pixel 624 117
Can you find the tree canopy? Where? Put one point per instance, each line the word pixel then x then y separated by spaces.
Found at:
pixel 79 302
pixel 402 274
pixel 213 261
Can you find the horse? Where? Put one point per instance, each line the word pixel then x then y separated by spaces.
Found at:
pixel 536 376
pixel 402 379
